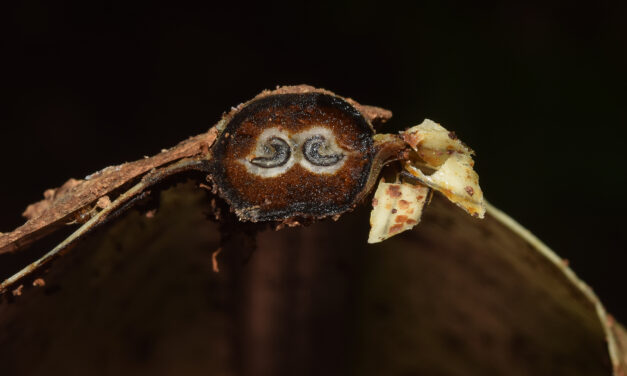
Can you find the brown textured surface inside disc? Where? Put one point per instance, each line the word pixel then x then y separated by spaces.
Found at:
pixel 294 186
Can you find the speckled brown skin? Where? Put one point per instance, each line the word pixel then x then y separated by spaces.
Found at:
pixel 65 204
pixel 298 192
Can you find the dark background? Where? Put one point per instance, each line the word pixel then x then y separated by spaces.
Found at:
pixel 537 90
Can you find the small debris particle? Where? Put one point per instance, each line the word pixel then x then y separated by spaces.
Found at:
pixel 452 135
pixel 292 222
pixel 374 202
pixel 39 282
pixel 469 190
pixel 214 260
pixel 396 228
pixel 151 213
pixel 401 219
pixel 18 290
pixel 610 320
pixel 49 194
pixel 394 191
pixel 204 148
pixel 412 139
pixel 403 204
pixel 394 211
pixel 565 262
pixel 103 202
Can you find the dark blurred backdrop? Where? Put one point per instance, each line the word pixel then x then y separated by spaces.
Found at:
pixel 537 90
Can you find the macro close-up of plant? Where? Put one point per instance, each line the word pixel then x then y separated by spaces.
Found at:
pixel 386 201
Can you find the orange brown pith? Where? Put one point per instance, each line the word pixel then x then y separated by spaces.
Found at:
pixel 297 192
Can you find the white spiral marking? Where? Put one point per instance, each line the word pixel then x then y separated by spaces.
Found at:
pixel 267 160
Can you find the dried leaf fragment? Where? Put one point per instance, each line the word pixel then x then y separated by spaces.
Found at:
pixel 434 143
pixel 396 207
pixel 454 175
pixel 441 162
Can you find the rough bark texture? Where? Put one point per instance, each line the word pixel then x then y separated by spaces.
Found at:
pixel 455 296
pixel 74 201
pixel 75 197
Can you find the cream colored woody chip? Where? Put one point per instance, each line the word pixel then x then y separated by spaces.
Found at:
pixel 454 176
pixel 396 207
pixel 441 162
pixel 434 143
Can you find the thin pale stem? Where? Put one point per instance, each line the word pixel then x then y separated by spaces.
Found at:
pixel 121 203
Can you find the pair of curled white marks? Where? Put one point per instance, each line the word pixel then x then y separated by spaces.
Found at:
pixel 276 151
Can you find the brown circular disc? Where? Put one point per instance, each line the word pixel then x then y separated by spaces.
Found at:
pixel 283 156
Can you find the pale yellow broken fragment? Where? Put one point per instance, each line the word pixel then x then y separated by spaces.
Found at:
pixel 396 207
pixel 441 162
pixel 454 176
pixel 434 143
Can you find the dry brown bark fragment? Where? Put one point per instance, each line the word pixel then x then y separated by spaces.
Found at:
pixel 74 200
pixel 64 204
